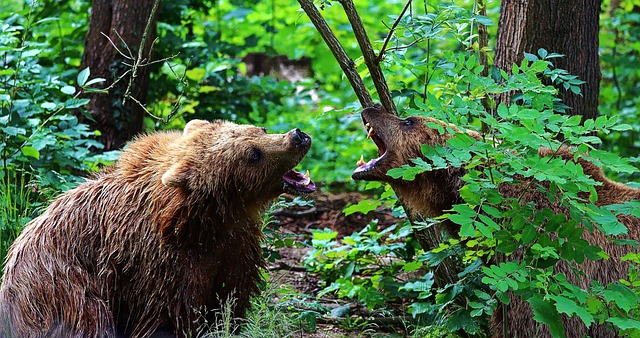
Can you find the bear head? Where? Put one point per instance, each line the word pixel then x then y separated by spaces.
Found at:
pixel 242 161
pixel 399 140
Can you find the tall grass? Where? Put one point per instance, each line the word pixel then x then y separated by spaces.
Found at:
pixel 14 211
pixel 265 319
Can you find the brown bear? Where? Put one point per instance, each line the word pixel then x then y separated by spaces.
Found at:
pixel 432 193
pixel 157 241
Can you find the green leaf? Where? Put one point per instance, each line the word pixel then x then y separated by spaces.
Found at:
pixel 464 210
pixel 48 105
pixel 483 229
pixel 542 52
pixel 31 53
pixel 411 266
pixel 568 306
pixel 83 76
pixel 364 206
pixel 629 208
pixel 94 81
pixel 621 296
pixel 530 57
pixel 489 222
pixel 340 311
pixel 484 20
pixel 621 127
pixel 539 66
pixel 625 323
pixel 460 219
pixel 196 74
pixel 327 234
pixel 69 90
pixel 466 230
pixel 31 152
pixel 545 312
pixel 13 131
pixel 529 233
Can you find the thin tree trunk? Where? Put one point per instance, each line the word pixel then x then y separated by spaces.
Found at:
pixel 124 22
pixel 564 27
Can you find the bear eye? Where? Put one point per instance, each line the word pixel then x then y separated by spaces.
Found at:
pixel 408 122
pixel 255 155
pixel 264 129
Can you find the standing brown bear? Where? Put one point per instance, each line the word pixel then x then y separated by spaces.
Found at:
pixel 171 231
pixel 432 193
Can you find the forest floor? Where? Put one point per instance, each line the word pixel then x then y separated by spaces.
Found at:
pixel 289 270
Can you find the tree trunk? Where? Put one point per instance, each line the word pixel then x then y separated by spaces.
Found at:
pixel 124 22
pixel 564 27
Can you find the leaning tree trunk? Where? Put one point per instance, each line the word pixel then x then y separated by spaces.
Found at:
pixel 124 22
pixel 559 26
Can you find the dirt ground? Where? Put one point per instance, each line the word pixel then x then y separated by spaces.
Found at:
pixel 289 269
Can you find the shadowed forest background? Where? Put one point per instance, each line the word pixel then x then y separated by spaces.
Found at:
pixel 79 79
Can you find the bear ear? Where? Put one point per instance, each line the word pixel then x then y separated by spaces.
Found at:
pixel 194 125
pixel 176 176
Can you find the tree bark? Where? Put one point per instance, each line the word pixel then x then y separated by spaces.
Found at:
pixel 564 27
pixel 124 22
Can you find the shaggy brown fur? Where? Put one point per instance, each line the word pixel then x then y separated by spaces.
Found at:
pixel 432 193
pixel 171 229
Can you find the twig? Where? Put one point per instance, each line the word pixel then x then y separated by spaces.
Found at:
pixel 347 65
pixel 483 59
pixel 380 321
pixel 295 214
pixel 139 60
pixel 370 58
pixel 116 47
pixel 285 266
pixel 391 31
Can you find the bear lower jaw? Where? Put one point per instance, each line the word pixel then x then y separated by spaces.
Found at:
pixel 296 182
pixel 370 171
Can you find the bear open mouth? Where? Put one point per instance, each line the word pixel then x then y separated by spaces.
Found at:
pixel 299 182
pixel 363 166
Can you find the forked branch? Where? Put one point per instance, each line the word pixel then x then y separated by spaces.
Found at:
pixel 370 59
pixel 348 66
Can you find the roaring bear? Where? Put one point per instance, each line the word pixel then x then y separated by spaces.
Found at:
pixel 163 237
pixel 432 193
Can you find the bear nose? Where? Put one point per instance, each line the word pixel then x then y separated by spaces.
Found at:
pixel 299 138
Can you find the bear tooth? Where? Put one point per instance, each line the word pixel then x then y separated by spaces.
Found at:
pixel 361 161
pixel 306 175
pixel 370 132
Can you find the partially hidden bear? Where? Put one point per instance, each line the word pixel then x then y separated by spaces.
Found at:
pixel 432 193
pixel 157 241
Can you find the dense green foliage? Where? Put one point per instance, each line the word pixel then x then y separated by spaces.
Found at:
pixel 432 68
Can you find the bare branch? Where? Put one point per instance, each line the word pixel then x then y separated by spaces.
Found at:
pixel 369 55
pixel 140 60
pixel 116 47
pixel 391 31
pixel 347 65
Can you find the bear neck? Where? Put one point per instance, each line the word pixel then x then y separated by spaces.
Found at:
pixel 209 218
pixel 431 193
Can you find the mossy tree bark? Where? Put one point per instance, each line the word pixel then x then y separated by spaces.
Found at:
pixel 124 22
pixel 564 27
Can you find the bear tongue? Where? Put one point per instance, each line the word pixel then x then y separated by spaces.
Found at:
pixel 299 182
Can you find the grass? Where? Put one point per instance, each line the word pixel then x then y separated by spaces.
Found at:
pixel 14 212
pixel 265 319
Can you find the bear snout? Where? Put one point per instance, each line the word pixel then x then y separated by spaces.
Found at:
pixel 299 138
